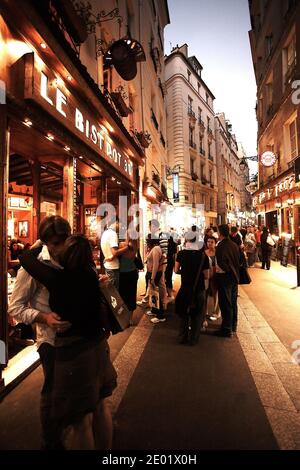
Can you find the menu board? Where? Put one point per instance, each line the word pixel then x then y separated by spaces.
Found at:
pixel 285 251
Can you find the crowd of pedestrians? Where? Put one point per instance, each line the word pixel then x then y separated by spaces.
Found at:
pixel 58 288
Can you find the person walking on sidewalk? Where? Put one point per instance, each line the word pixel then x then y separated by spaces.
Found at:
pixel 266 243
pixel 111 251
pixel 228 257
pixel 29 304
pixel 83 375
pixel 188 263
pixel 163 243
pixel 155 271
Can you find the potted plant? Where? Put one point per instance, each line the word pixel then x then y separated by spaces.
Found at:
pixel 119 96
pixel 144 138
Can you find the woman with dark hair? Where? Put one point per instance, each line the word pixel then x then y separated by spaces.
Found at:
pixel 83 374
pixel 266 249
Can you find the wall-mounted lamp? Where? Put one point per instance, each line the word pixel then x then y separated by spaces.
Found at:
pixel 290 202
pixel 278 205
pixel 171 171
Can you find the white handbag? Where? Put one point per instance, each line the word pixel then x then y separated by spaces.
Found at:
pixel 270 240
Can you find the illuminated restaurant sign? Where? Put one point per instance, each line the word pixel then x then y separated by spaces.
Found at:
pixel 284 185
pixel 53 95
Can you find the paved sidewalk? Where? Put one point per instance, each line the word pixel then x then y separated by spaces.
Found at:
pixel 276 377
pixel 240 393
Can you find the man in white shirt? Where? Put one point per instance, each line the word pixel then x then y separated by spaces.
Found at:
pixel 111 251
pixel 29 304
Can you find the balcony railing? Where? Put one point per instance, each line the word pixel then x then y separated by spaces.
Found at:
pixel 153 117
pixel 191 113
pixel 192 144
pixel 202 151
pixel 204 180
pixel 210 157
pixel 162 140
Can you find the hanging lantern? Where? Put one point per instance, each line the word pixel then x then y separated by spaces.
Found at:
pixel 124 55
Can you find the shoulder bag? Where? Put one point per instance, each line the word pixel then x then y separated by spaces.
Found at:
pixel 193 298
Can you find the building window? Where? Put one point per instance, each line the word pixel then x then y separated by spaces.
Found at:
pixel 199 87
pixel 189 75
pixel 192 165
pixel 293 139
pixel 153 7
pixel 208 123
pixel 207 98
pixel 269 96
pixel 190 104
pixel 199 114
pixel 202 170
pixel 289 62
pixel 269 45
pixel 210 177
pixel 191 136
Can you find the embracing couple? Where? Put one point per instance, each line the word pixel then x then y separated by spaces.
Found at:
pixel 58 289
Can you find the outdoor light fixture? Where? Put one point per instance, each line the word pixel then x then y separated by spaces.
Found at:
pixel 243 162
pixel 27 122
pixel 66 148
pixel 278 205
pixel 80 157
pixel 290 202
pixel 124 55
pixel 43 45
pixel 171 171
pixel 49 137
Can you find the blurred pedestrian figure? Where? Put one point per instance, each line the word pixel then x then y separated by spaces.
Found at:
pixel 190 299
pixel 111 251
pixel 227 272
pixel 29 304
pixel 83 374
pixel 250 246
pixel 267 244
pixel 155 273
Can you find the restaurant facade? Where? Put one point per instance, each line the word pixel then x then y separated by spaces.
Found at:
pixel 63 148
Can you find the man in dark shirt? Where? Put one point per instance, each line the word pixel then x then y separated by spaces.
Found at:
pixel 190 298
pixel 228 257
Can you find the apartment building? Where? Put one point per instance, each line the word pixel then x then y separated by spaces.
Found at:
pixel 275 45
pixel 192 171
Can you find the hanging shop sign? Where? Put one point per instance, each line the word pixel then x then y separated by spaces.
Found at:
pixel 268 159
pixel 42 86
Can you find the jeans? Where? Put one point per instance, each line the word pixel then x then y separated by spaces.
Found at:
pixel 228 290
pixel 114 277
pixel 159 278
pixel 193 319
pixel 50 436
